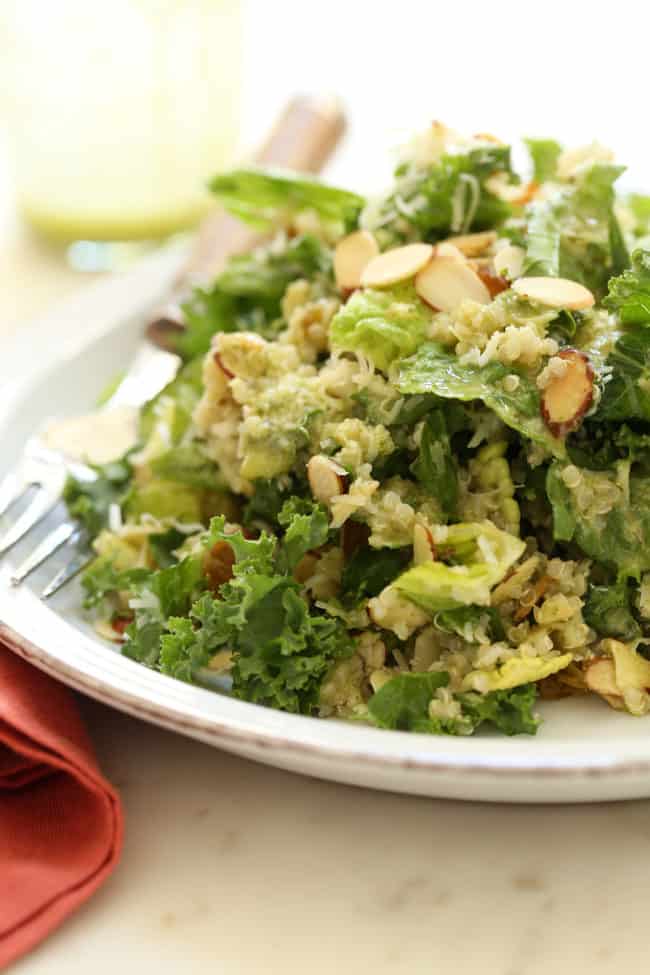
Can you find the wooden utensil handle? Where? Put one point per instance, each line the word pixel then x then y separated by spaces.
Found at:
pixel 302 138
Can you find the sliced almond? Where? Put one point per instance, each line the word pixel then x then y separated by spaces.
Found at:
pixel 424 549
pixel 351 256
pixel 218 564
pixel 555 292
pixel 493 282
pixel 446 249
pixel 220 363
pixel 395 265
pixel 445 282
pixel 327 479
pixel 567 397
pixel 600 676
pixel 472 245
pixel 509 261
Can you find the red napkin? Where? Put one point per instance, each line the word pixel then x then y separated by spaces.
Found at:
pixel 60 820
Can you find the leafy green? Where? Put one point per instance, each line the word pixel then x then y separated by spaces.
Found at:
pixel 266 502
pixel 510 711
pixel 281 651
pixel 264 196
pixel 383 325
pixel 188 465
pixel 102 578
pixel 369 570
pixel 435 467
pixel 599 445
pixel 162 546
pixel 403 704
pixel 247 295
pixel 626 392
pixel 89 501
pixel 608 610
pixel 165 499
pixel 544 154
pixel 621 537
pixel 575 234
pixel 307 528
pixel 468 579
pixel 464 619
pixel 629 294
pixel 449 196
pixel 162 594
pixel 434 370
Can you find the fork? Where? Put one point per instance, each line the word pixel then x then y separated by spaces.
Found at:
pixel 303 138
pixel 43 471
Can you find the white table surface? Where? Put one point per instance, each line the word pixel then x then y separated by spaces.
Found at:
pixel 233 868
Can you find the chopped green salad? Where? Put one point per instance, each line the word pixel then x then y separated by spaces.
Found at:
pixel 402 475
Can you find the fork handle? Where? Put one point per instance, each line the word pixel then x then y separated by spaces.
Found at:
pixel 302 138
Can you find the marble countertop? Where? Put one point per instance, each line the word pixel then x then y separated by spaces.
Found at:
pixel 237 869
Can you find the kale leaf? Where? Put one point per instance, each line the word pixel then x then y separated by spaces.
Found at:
pixel 307 528
pixel 247 295
pixel 608 610
pixel 629 294
pixel 369 570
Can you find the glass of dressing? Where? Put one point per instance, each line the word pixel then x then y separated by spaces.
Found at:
pixel 118 114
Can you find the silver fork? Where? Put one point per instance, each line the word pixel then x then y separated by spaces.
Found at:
pixel 42 472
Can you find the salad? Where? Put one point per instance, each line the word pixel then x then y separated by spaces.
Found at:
pixel 403 473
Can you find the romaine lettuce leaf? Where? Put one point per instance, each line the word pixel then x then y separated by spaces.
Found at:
pixel 383 325
pixel 264 196
pixel 575 234
pixel 479 556
pixel 544 154
pixel 434 370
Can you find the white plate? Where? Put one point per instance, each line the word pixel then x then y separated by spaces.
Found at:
pixel 583 752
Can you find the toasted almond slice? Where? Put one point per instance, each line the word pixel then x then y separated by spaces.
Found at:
pixel 509 261
pixel 555 292
pixel 567 397
pixel 600 677
pixel 445 282
pixel 327 479
pixel 472 245
pixel 351 256
pixel 424 549
pixel 354 535
pixel 493 282
pixel 395 265
pixel 446 249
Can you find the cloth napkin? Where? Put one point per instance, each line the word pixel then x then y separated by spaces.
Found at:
pixel 61 822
